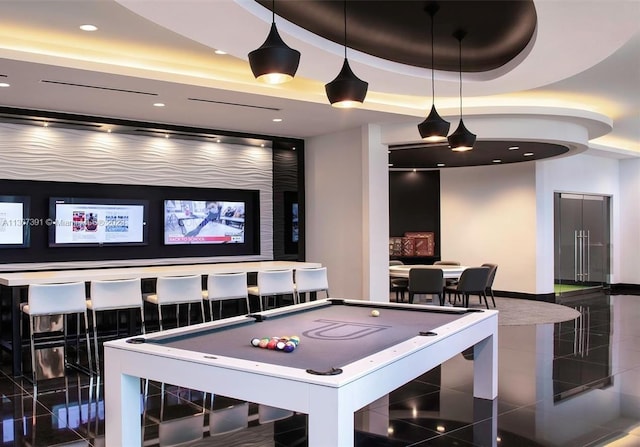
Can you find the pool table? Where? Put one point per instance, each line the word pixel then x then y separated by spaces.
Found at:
pixel 346 359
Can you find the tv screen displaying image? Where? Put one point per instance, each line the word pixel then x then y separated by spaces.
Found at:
pixel 15 222
pixel 83 221
pixel 203 222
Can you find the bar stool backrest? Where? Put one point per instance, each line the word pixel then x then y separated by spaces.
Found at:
pixel 268 414
pixel 222 286
pixel 312 280
pixel 53 299
pixel 179 289
pixel 276 282
pixel 116 294
pixel 230 419
pixel 180 431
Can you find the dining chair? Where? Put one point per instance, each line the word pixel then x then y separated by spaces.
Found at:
pixel 310 280
pixel 177 290
pixel 398 285
pixel 448 281
pixel 473 281
pixel 56 299
pixel 272 283
pixel 113 295
pixel 426 281
pixel 446 263
pixel 492 276
pixel 225 287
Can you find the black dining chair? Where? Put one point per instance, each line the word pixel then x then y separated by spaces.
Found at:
pixel 426 281
pixel 492 275
pixel 398 285
pixel 473 281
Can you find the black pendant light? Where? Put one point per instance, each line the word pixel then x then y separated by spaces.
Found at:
pixel 433 128
pixel 274 62
pixel 461 139
pixel 346 90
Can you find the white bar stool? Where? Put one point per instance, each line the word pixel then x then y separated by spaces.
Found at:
pixel 272 283
pixel 226 286
pixel 56 299
pixel 177 290
pixel 308 280
pixel 113 295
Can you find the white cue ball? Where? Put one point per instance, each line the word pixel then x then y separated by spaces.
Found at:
pixel 374 313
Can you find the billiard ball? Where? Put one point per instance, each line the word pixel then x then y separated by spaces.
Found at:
pixel 255 342
pixel 272 344
pixel 289 346
pixel 375 313
pixel 263 343
pixel 295 339
pixel 280 345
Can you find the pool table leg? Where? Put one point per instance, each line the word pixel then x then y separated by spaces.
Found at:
pixel 485 368
pixel 122 405
pixel 330 424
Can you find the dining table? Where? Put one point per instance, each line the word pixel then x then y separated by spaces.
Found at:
pixel 448 271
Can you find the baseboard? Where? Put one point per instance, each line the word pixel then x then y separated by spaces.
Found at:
pixel 546 297
pixel 625 289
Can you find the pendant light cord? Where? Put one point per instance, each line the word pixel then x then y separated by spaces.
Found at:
pixel 460 70
pixel 345 29
pixel 433 88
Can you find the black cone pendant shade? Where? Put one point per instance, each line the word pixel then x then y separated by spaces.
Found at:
pixel 461 139
pixel 346 90
pixel 433 128
pixel 274 62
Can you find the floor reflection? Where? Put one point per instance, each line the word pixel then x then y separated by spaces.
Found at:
pixel 575 383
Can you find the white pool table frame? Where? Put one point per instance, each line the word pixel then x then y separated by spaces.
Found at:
pixel 329 401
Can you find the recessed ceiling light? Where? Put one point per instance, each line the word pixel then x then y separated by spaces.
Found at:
pixel 514 148
pixel 440 165
pixel 528 154
pixel 158 104
pixel 88 27
pixel 220 52
pixel 4 84
pixel 277 120
pixel 497 161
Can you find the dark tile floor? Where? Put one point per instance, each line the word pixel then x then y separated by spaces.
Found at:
pixel 571 384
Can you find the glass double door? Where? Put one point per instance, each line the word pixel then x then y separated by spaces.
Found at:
pixel 582 241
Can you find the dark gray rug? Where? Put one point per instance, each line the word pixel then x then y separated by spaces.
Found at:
pixel 518 312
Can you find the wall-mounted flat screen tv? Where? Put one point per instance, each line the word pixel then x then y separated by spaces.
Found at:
pixel 97 222
pixel 15 222
pixel 204 222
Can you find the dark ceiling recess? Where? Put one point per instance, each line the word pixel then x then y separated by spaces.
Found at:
pixel 497 31
pixel 424 156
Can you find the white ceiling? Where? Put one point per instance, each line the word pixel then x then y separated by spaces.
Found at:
pixel 585 61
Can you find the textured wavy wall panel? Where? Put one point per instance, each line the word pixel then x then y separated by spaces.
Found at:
pixel 71 155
